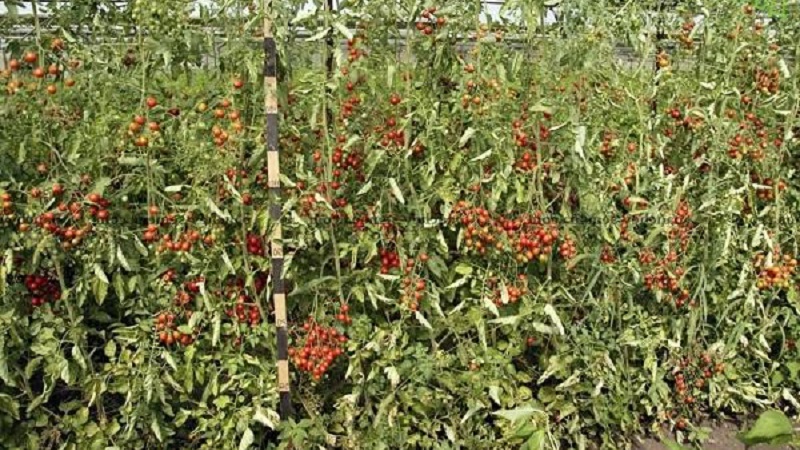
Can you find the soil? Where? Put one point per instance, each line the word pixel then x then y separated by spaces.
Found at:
pixel 723 437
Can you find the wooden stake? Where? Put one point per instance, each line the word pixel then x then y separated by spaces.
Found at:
pixel 274 183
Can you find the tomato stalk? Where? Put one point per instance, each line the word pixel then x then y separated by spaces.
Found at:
pixel 326 119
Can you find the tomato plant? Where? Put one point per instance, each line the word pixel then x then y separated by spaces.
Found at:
pixel 540 225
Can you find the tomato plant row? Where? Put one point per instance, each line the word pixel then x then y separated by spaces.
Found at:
pixel 495 234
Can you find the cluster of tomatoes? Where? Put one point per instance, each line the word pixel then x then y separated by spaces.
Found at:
pixel 190 289
pixel 624 224
pixel 244 310
pixel 681 120
pixel 344 163
pixel 685 35
pixel 321 347
pixel 752 139
pixel 353 52
pixel 768 81
pixel 607 255
pixel 43 289
pixel 235 177
pixel 344 314
pixel 255 245
pixel 691 378
pixel 635 204
pixel 508 293
pixel 568 248
pixel 490 87
pixel 768 194
pixel 630 170
pixel 666 277
pixel 389 260
pixel 98 207
pixel 413 291
pixel 139 134
pixel 166 330
pixel 220 133
pixel 608 145
pixel 527 236
pixel 646 257
pixel 183 242
pixel 662 60
pixel 428 21
pixel 69 235
pixel 394 137
pixel 483 31
pixel 529 142
pixel 8 205
pixel 350 104
pixel 776 274
pixel 351 160
pixel 682 225
pixel 31 59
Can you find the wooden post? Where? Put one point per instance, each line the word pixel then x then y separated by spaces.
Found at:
pixel 274 182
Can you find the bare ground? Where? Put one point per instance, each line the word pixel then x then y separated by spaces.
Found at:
pixel 723 437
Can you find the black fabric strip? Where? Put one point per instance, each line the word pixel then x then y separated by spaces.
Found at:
pixel 275 211
pixel 277 276
pixel 283 344
pixel 286 404
pixel 270 58
pixel 272 132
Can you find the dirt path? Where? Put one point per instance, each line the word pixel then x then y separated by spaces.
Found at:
pixel 722 438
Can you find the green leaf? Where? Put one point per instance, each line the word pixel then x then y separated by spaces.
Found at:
pixel 98 272
pixel 536 441
pixel 265 419
pixel 130 161
pixel 215 209
pixel 216 327
pixel 551 312
pixel 422 320
pixel 396 191
pixel 390 70
pixel 247 439
pixel 9 406
pixel 156 428
pixel 321 34
pixel 482 156
pixel 463 269
pixel 111 349
pixel 392 375
pixel 122 260
pixel 344 30
pixel 772 427
pixel 100 290
pixel 365 188
pixel 509 320
pixel 580 140
pixel 456 284
pixel 468 133
pixel 170 360
pixel 520 413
